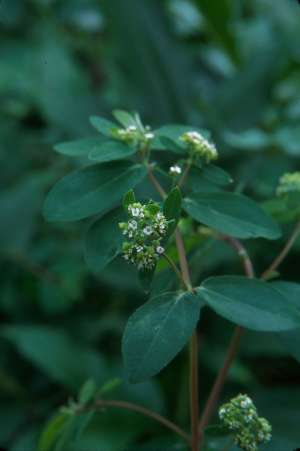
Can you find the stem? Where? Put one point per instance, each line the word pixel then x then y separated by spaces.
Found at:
pixel 281 256
pixel 241 251
pixel 234 343
pixel 194 392
pixel 220 380
pixel 185 173
pixel 194 395
pixel 176 270
pixel 155 182
pixel 146 412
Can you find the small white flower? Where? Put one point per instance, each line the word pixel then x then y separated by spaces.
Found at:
pixel 132 224
pixel 135 212
pixel 147 230
pixel 149 136
pixel 175 170
pixel 159 215
pixel 160 250
pixel 131 128
pixel 139 249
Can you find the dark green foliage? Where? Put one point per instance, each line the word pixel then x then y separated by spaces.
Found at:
pixel 230 67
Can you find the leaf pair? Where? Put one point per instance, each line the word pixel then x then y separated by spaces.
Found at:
pixel 159 329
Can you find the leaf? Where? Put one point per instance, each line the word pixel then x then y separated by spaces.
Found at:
pixel 110 151
pixel 87 392
pixel 124 118
pixel 198 183
pixel 232 214
pixel 55 353
pixel 291 339
pixel 251 303
pixel 157 331
pixel 103 240
pixel 172 208
pixel 52 432
pixel 172 132
pixel 252 139
pixel 102 125
pixel 218 17
pixel 129 198
pixel 91 190
pixel 216 175
pixel 80 147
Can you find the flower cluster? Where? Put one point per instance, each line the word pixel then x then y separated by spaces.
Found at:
pixel 133 135
pixel 175 170
pixel 199 146
pixel 289 183
pixel 145 231
pixel 240 416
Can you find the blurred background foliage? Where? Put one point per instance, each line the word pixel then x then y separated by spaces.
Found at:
pixel 231 66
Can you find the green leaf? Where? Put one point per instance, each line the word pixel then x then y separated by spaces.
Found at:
pixel 102 125
pixel 52 432
pixel 231 214
pixel 291 339
pixel 87 392
pixel 110 151
pixel 91 190
pixel 157 331
pixel 128 199
pixel 63 359
pixel 251 303
pixel 125 118
pixel 103 240
pixel 218 17
pixel 198 183
pixel 80 147
pixel 216 175
pixel 172 208
pixel 172 132
pixel 252 139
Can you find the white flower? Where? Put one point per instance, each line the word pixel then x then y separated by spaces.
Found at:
pixel 160 250
pixel 147 230
pixel 131 128
pixel 175 170
pixel 132 225
pixel 149 136
pixel 139 249
pixel 135 212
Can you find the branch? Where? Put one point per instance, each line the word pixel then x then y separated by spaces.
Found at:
pixel 281 256
pixel 184 267
pixel 146 412
pixel 234 343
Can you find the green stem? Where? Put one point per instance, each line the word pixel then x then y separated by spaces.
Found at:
pixel 100 404
pixel 176 270
pixel 234 343
pixel 281 256
pixel 194 391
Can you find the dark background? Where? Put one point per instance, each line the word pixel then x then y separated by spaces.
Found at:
pixel 229 66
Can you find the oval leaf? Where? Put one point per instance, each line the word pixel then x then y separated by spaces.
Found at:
pixel 216 175
pixel 80 147
pixel 231 214
pixel 91 190
pixel 291 339
pixel 103 241
pixel 172 208
pixel 251 303
pixel 157 331
pixel 102 125
pixel 110 151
